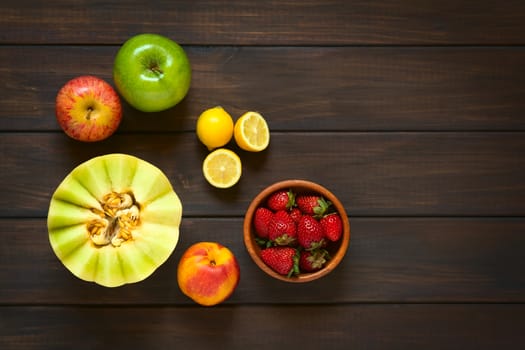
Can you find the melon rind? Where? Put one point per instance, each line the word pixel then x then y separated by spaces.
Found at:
pixel 154 239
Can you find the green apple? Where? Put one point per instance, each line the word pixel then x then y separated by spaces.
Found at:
pixel 152 72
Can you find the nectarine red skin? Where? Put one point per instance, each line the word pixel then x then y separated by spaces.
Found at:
pixel 208 273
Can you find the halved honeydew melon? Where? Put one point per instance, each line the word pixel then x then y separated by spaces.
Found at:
pixel 114 220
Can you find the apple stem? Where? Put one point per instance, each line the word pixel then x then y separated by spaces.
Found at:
pixel 88 115
pixel 156 69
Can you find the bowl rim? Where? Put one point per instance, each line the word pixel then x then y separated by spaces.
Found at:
pixel 254 250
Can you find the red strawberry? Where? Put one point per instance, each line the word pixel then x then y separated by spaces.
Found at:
pixel 261 220
pixel 312 205
pixel 283 260
pixel 295 214
pixel 310 233
pixel 282 229
pixel 314 260
pixel 281 200
pixel 333 226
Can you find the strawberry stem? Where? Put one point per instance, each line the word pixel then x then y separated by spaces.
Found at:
pixel 322 208
pixel 291 199
pixel 295 268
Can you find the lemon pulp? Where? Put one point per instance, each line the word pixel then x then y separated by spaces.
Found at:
pixel 251 132
pixel 222 168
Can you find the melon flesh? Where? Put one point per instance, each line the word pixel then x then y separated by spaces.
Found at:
pixel 114 220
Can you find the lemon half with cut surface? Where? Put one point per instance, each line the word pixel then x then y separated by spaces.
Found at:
pixel 114 220
pixel 222 168
pixel 251 132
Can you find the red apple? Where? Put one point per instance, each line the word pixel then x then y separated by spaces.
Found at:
pixel 88 109
pixel 208 273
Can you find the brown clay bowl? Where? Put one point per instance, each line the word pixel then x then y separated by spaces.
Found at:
pixel 337 249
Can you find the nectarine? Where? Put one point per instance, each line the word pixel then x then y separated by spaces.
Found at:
pixel 208 273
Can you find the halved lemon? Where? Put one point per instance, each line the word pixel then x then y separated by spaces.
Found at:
pixel 222 168
pixel 251 132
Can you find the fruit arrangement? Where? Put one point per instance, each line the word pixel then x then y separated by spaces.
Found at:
pixel 151 72
pixel 115 218
pixel 222 167
pixel 295 231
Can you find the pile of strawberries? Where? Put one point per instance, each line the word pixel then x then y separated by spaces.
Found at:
pixel 294 231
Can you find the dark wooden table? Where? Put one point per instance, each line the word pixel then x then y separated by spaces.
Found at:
pixel 412 112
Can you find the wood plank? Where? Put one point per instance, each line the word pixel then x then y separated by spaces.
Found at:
pixel 378 174
pixel 211 22
pixel 350 326
pixel 389 260
pixel 296 88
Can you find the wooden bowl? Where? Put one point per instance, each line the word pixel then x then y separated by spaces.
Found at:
pixel 337 249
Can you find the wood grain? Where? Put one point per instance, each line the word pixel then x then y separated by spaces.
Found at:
pixel 411 112
pixel 378 174
pixel 347 326
pixel 295 88
pixel 240 22
pixel 441 260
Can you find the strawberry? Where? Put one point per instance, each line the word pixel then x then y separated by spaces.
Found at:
pixel 312 205
pixel 281 200
pixel 313 260
pixel 261 220
pixel 310 233
pixel 282 229
pixel 295 214
pixel 283 260
pixel 333 226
